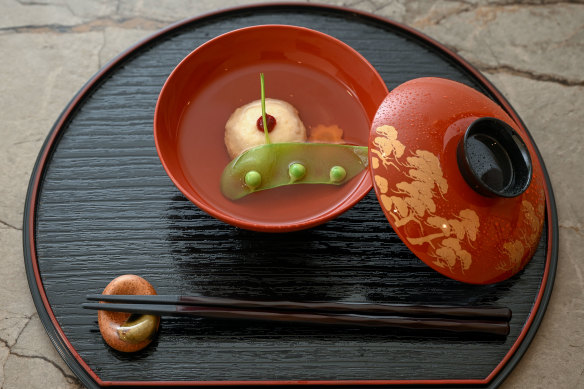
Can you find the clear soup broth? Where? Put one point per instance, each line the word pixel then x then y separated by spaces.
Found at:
pixel 319 99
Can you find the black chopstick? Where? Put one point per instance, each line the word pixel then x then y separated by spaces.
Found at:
pixel 485 312
pixel 420 323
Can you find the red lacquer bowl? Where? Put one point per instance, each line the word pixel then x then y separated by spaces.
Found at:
pixel 327 81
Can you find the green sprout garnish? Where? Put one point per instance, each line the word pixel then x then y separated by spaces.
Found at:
pixel 263 100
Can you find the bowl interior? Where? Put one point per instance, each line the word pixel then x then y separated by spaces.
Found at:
pixel 327 81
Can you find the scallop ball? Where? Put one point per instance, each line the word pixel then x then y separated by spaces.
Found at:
pixel 242 132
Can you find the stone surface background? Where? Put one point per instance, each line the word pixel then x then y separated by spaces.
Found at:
pixel 532 50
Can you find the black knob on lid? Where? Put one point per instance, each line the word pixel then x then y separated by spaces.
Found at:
pixel 493 159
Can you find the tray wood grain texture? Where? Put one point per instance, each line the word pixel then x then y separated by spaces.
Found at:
pixel 105 207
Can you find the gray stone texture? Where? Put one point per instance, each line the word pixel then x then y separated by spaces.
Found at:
pixel 532 51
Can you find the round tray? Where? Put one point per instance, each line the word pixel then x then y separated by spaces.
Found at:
pixel 100 205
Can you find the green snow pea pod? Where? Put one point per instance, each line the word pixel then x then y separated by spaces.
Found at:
pixel 277 164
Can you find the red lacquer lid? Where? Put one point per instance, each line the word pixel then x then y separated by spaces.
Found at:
pixel 458 180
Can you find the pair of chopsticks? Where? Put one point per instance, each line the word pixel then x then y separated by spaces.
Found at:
pixel 491 320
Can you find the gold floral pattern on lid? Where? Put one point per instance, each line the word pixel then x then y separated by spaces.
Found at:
pixel 412 201
pixel 418 170
pixel 514 251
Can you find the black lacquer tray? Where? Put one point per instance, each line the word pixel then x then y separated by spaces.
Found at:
pixel 100 205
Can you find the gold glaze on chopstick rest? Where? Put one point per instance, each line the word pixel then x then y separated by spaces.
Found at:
pixel 123 331
pixel 138 328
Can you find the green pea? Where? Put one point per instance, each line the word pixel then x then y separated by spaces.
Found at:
pixel 296 171
pixel 278 164
pixel 337 174
pixel 253 179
